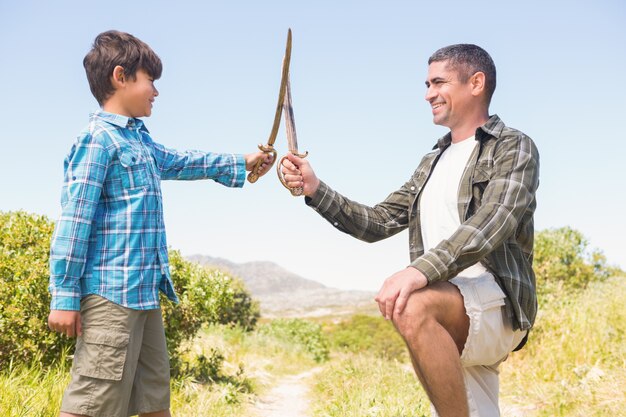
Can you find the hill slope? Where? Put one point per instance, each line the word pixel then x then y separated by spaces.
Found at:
pixel 284 293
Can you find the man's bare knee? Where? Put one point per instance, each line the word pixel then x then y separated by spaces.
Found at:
pixel 413 320
pixel 438 305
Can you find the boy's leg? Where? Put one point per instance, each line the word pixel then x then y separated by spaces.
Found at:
pixel 151 388
pixel 105 359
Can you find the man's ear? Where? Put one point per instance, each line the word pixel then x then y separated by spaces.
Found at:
pixel 118 78
pixel 477 82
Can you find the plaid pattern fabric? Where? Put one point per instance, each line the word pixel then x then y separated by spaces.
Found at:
pixel 110 239
pixel 496 205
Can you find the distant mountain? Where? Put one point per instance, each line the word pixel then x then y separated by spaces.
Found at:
pixel 284 292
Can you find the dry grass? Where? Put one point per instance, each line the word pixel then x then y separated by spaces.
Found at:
pixel 574 365
pixel 575 362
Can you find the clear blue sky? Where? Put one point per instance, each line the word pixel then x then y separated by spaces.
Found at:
pixel 357 75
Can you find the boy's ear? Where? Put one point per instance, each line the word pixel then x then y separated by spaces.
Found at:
pixel 118 78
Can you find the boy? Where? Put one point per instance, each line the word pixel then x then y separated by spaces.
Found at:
pixel 108 257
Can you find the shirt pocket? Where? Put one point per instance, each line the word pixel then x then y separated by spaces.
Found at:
pixel 134 169
pixel 482 173
pixel 101 354
pixel 480 180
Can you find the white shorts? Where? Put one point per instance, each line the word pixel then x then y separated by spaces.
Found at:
pixel 489 341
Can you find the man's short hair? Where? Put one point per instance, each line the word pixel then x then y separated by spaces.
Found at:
pixel 114 48
pixel 467 60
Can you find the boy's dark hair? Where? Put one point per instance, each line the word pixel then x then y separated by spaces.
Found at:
pixel 467 60
pixel 114 48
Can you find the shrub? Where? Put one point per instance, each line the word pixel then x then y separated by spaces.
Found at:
pixel 244 312
pixel 206 296
pixel 563 260
pixel 301 333
pixel 24 252
pixel 371 334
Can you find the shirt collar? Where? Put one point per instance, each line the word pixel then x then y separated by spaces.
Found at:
pixel 492 128
pixel 124 122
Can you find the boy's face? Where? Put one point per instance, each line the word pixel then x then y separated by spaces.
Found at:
pixel 138 95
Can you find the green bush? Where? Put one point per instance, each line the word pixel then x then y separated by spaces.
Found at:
pixel 361 333
pixel 299 333
pixel 244 312
pixel 25 301
pixel 563 260
pixel 206 296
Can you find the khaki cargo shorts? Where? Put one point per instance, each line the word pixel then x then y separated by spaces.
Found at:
pixel 121 366
pixel 489 341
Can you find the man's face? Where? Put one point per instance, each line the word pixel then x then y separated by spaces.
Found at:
pixel 450 99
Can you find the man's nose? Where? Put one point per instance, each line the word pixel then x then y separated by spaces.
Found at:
pixel 429 94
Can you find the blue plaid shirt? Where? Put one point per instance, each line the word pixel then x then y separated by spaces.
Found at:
pixel 110 238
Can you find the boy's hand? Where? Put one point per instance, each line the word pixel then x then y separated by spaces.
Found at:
pixel 299 173
pixel 65 322
pixel 253 158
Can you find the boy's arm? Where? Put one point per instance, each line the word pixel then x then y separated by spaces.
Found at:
pixel 226 169
pixel 86 168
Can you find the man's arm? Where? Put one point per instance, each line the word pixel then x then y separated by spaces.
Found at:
pixel 366 223
pixel 392 215
pixel 506 198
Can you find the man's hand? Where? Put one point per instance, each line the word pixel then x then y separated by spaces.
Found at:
pixel 396 289
pixel 65 322
pixel 298 173
pixel 253 158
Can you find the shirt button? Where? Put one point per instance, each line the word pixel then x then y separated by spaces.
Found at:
pixel 133 159
pixel 412 188
pixel 336 224
pixel 73 178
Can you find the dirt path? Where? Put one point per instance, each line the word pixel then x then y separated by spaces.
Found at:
pixel 289 398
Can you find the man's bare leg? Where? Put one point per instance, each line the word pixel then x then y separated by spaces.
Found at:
pixel 434 326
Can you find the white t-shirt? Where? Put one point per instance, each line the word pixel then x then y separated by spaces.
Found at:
pixel 439 212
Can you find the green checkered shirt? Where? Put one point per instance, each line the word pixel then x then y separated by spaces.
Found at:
pixel 496 205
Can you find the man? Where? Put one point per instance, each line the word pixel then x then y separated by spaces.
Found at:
pixel 468 297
